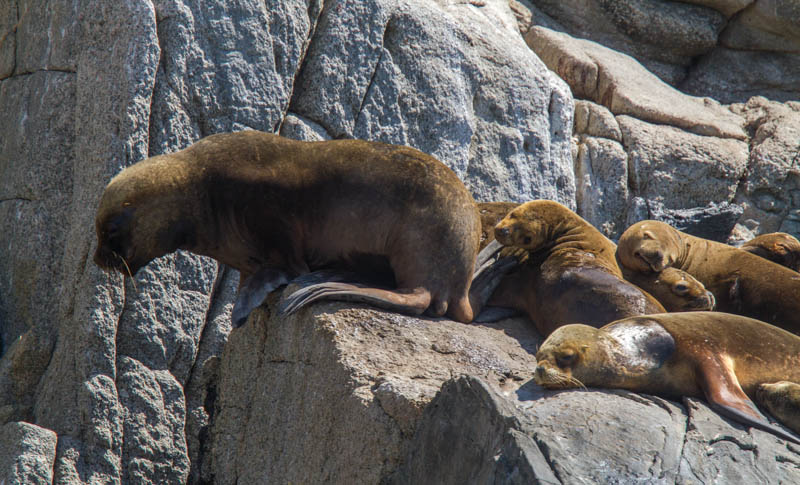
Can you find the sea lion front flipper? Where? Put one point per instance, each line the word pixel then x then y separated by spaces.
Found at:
pixel 725 395
pixel 413 301
pixel 253 290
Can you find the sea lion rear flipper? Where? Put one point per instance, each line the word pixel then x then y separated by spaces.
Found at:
pixel 491 267
pixel 725 395
pixel 412 302
pixel 253 290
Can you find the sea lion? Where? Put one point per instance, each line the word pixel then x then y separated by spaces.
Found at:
pixel 782 400
pixel 777 247
pixel 676 290
pixel 567 272
pixel 741 282
pixel 721 356
pixel 271 207
pixel 491 213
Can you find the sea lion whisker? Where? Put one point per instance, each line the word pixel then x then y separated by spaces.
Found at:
pixel 128 268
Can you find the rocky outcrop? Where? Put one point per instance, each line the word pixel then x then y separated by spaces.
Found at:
pixel 126 381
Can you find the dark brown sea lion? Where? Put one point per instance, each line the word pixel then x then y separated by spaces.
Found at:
pixel 568 272
pixel 777 247
pixel 275 208
pixel 720 356
pixel 741 282
pixel 676 290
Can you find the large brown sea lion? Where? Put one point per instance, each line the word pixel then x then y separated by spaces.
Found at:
pixel 741 282
pixel 720 356
pixel 275 208
pixel 777 247
pixel 568 272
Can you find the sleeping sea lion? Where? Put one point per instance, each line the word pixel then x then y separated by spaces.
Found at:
pixel 777 247
pixel 741 282
pixel 721 356
pixel 676 290
pixel 275 208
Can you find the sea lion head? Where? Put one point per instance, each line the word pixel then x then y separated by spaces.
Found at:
pixel 571 356
pixel 683 291
pixel 779 247
pixel 649 246
pixel 531 225
pixel 143 214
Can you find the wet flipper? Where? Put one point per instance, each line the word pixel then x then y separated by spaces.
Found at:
pixel 492 266
pixel 412 301
pixel 725 395
pixel 253 291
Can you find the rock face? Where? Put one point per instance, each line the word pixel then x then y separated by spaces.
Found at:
pixel 135 381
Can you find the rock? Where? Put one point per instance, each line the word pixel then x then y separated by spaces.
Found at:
pixel 734 76
pixel 26 454
pixel 666 163
pixel 584 436
pixel 601 173
pixel 664 36
pixel 715 221
pixel 625 87
pixel 299 390
pixel 727 7
pixel 766 25
pixel 392 71
pixel 595 120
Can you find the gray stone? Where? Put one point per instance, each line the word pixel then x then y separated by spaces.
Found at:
pixel 714 221
pixel 291 390
pixel 766 25
pixel 727 7
pixel 664 36
pixel 299 128
pixel 601 174
pixel 679 169
pixel 595 120
pixel 47 36
pixel 449 81
pixel 26 454
pixel 625 87
pixel 8 37
pixel 732 76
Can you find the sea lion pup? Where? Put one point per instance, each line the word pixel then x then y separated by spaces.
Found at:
pixel 741 282
pixel 720 356
pixel 568 272
pixel 777 247
pixel 272 207
pixel 676 290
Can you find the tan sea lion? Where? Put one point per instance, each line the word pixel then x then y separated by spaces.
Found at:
pixel 275 208
pixel 782 400
pixel 721 356
pixel 676 290
pixel 777 247
pixel 568 272
pixel 491 213
pixel 741 282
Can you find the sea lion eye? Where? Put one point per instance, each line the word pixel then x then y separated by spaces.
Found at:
pixel 681 289
pixel 566 359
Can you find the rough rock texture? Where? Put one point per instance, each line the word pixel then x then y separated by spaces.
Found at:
pixel 26 454
pixel 536 436
pixel 131 376
pixel 124 372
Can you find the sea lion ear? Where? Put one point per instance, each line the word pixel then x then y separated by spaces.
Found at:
pixel 648 235
pixel 584 348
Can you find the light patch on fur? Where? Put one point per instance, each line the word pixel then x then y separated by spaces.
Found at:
pixel 644 345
